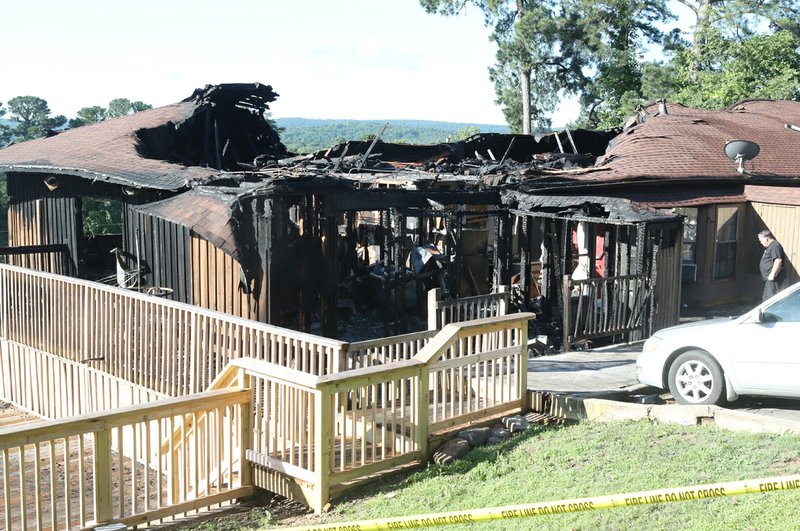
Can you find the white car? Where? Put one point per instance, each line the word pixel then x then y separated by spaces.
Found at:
pixel 709 362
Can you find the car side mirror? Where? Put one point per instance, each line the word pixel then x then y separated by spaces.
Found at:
pixel 766 317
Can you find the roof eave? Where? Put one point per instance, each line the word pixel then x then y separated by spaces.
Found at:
pixel 88 174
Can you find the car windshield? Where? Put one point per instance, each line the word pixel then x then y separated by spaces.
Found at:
pixel 786 309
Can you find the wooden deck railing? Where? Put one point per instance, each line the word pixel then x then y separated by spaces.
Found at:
pixel 325 431
pixel 601 307
pixel 324 412
pixel 53 258
pixel 386 349
pixel 168 347
pixel 111 467
pixel 442 312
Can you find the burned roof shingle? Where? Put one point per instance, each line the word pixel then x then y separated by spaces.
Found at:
pixel 166 148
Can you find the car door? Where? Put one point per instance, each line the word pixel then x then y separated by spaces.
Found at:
pixel 765 353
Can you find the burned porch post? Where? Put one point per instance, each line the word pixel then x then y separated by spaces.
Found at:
pixel 330 234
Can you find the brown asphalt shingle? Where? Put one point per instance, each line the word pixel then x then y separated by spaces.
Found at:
pixel 688 144
pixel 107 151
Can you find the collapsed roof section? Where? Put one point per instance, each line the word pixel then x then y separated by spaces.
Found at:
pixel 218 128
pixel 598 209
pixel 480 155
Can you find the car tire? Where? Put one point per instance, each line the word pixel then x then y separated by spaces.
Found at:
pixel 695 378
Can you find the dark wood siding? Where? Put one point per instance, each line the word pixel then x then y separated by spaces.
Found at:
pixel 708 291
pixel 38 216
pixel 163 249
pixel 667 293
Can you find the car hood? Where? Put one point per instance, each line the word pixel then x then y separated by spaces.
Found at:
pixel 696 327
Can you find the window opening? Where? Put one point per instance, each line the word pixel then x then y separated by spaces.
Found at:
pixel 727 233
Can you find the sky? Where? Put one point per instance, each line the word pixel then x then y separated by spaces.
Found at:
pixel 340 59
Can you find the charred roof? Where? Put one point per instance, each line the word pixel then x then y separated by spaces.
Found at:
pixel 218 128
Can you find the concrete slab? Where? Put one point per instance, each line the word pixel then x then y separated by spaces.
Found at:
pixel 598 371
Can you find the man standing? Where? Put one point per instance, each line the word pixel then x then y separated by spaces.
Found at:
pixel 771 264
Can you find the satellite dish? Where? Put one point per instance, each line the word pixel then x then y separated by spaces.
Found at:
pixel 740 151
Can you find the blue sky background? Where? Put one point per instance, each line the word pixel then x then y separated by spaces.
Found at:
pixel 357 59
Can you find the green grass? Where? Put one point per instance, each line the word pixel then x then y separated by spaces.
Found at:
pixel 593 459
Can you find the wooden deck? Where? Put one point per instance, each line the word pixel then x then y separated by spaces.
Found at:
pixel 11 416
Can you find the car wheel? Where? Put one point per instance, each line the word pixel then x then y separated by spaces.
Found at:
pixel 695 378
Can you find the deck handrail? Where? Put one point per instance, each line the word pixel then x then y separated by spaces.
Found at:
pixel 442 312
pixel 313 420
pixel 168 346
pixel 45 430
pixel 133 480
pixel 170 303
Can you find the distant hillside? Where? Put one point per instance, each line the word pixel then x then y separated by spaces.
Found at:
pixel 305 135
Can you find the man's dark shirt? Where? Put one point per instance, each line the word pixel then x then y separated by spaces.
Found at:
pixel 772 252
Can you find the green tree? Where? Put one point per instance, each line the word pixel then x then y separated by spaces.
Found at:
pixel 761 66
pixel 123 106
pixel 89 115
pixel 618 34
pixel 465 132
pixel 551 47
pixel 6 133
pixel 739 49
pixel 32 115
pixel 101 216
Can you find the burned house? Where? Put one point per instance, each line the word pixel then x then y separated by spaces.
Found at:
pixel 211 210
pixel 55 183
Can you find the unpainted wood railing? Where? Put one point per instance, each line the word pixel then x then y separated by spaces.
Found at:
pixel 441 312
pixel 402 347
pixel 386 349
pixel 601 307
pixel 114 466
pixel 325 431
pixel 166 346
pixel 62 387
pixel 317 418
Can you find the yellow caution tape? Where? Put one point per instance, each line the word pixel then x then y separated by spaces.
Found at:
pixel 472 516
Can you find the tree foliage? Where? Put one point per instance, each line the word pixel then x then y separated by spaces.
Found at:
pixel 465 132
pixel 89 115
pixel 32 115
pixel 301 135
pixel 101 216
pixel 547 49
pixel 116 108
pixel 6 132
pixel 123 106
pixel 761 66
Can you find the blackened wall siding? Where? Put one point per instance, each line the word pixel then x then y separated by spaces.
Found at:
pixel 164 251
pixel 38 216
pixel 667 293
